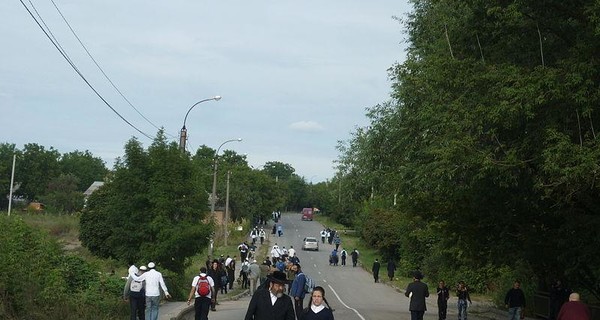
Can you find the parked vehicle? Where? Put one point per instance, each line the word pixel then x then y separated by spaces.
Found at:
pixel 307 214
pixel 310 243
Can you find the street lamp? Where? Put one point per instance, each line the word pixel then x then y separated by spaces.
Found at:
pixel 213 197
pixel 183 135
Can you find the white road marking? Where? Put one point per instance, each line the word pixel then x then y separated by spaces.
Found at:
pixel 345 305
pixel 324 280
pixel 315 265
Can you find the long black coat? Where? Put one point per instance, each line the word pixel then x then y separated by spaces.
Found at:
pixel 260 307
pixel 419 291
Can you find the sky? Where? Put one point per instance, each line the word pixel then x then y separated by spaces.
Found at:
pixel 295 77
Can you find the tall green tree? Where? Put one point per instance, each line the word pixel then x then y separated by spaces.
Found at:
pixel 63 195
pixel 85 166
pixel 151 209
pixel 35 169
pixel 490 130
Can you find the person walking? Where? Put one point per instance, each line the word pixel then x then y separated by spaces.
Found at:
pixel 271 303
pixel 262 234
pixel 442 300
pixel 515 301
pixel 354 256
pixel 417 291
pixel 203 297
pixel 230 267
pixel 253 276
pixel 559 294
pixel 462 292
pixel 215 272
pixel 135 292
pixel 316 309
pixel 375 270
pixel 574 309
pixel 337 241
pixel 391 269
pixel 344 254
pixel 154 283
pixel 297 291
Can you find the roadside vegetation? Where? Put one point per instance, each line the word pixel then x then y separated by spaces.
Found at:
pixel 481 166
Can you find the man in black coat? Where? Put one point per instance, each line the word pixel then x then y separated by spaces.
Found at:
pixel 417 291
pixel 271 303
pixel 375 269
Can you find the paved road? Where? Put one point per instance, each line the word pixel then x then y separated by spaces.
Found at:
pixel 350 291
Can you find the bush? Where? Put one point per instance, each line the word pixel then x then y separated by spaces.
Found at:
pixel 38 281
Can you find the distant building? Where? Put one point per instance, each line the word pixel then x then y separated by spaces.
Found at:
pixel 95 186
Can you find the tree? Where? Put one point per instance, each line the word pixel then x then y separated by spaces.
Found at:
pixel 84 166
pixel 36 169
pixel 62 194
pixel 151 209
pixel 491 119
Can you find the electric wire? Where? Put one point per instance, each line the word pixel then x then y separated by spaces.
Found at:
pixel 102 70
pixel 57 46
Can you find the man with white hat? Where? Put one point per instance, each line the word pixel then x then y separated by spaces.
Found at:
pixel 154 282
pixel 134 292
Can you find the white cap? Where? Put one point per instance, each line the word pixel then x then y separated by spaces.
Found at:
pixel 151 265
pixel 143 268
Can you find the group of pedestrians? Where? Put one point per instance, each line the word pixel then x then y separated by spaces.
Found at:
pixel 143 291
pixel 270 302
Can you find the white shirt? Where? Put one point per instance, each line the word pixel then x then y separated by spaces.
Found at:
pixel 228 261
pixel 154 281
pixel 291 252
pixel 273 298
pixel 275 252
pixel 211 282
pixel 316 309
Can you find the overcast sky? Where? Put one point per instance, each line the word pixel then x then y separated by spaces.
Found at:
pixel 295 76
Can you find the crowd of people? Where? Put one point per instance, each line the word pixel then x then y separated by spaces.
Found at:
pixel 278 286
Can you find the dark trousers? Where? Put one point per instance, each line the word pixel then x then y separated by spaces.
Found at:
pixel 213 305
pixel 137 306
pixel 416 315
pixel 343 260
pixel 442 309
pixel 201 308
pixel 298 306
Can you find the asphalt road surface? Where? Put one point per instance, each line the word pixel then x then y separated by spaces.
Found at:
pixel 351 292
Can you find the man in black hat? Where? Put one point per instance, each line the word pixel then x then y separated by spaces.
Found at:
pixel 417 291
pixel 271 303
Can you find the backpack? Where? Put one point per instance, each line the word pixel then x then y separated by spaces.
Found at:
pixel 224 280
pixel 203 287
pixel 309 284
pixel 245 268
pixel 136 286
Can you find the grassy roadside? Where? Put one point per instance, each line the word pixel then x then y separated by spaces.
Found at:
pixel 351 240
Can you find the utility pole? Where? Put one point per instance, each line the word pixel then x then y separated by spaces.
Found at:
pixel 227 209
pixel 12 183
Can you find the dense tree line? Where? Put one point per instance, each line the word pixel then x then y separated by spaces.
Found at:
pixel 485 160
pixel 46 175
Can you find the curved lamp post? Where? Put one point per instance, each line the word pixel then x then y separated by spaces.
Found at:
pixel 213 196
pixel 183 135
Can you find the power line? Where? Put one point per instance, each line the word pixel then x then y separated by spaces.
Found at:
pixel 102 70
pixel 57 46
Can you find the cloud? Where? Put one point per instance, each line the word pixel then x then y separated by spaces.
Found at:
pixel 306 126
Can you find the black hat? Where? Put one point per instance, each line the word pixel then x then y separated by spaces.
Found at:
pixel 278 277
pixel 418 275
